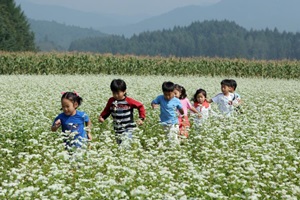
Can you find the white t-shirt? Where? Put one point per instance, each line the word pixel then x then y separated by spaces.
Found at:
pixel 204 114
pixel 224 103
pixel 203 111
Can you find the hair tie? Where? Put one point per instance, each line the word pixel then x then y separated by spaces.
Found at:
pixel 63 93
pixel 76 93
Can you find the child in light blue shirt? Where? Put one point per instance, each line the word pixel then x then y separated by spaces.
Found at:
pixel 169 105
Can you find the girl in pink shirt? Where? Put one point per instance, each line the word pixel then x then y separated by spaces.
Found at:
pixel 183 120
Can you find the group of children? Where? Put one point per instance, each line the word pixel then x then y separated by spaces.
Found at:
pixel 173 103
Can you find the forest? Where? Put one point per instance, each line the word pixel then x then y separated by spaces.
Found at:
pixel 15 34
pixel 200 39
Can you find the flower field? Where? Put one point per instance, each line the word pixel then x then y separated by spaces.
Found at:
pixel 254 155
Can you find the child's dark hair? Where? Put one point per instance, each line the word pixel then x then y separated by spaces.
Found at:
pixel 72 96
pixel 200 90
pixel 182 90
pixel 233 84
pixel 168 86
pixel 118 85
pixel 226 82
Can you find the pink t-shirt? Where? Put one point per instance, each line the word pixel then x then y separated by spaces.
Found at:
pixel 186 105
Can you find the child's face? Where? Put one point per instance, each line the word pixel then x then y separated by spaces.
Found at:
pixel 120 95
pixel 231 89
pixel 200 98
pixel 169 95
pixel 68 107
pixel 177 93
pixel 225 89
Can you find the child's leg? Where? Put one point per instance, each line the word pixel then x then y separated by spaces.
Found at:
pixel 184 126
pixel 124 136
pixel 118 138
pixel 172 132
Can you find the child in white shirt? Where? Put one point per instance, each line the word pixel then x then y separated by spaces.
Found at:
pixel 224 99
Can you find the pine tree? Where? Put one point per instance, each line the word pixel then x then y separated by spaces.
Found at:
pixel 15 34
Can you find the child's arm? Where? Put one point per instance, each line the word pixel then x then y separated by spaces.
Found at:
pixel 194 110
pixel 209 100
pixel 88 130
pixel 153 105
pixel 101 119
pixel 138 105
pixel 106 112
pixel 56 125
pixel 181 111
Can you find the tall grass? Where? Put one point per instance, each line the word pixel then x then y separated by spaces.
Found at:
pixel 87 63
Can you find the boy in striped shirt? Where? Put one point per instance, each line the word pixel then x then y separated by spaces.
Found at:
pixel 120 107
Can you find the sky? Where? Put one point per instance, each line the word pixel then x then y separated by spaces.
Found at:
pixel 124 7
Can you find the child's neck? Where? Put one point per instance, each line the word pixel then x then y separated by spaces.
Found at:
pixel 226 94
pixel 74 113
pixel 120 99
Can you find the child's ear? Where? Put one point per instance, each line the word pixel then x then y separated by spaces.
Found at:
pixel 75 104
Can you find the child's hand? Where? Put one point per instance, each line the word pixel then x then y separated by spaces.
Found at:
pixel 90 137
pixel 100 119
pixel 57 123
pixel 199 115
pixel 139 122
pixel 154 106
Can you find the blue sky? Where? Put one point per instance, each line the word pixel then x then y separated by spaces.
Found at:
pixel 124 7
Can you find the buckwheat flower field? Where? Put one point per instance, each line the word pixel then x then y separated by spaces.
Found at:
pixel 254 155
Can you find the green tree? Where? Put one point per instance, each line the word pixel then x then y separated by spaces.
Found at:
pixel 15 34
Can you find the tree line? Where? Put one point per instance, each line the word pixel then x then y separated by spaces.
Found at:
pixel 15 34
pixel 208 39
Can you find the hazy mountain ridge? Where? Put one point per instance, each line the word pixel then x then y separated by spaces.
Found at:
pixel 254 14
pixel 57 36
pixel 75 17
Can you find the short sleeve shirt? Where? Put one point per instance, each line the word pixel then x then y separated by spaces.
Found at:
pixel 224 102
pixel 168 109
pixel 186 105
pixel 75 123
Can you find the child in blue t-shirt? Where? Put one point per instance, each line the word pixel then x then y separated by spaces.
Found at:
pixel 72 120
pixel 169 105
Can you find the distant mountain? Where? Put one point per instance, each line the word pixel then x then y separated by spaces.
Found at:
pixel 75 17
pixel 251 14
pixel 212 38
pixel 55 36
